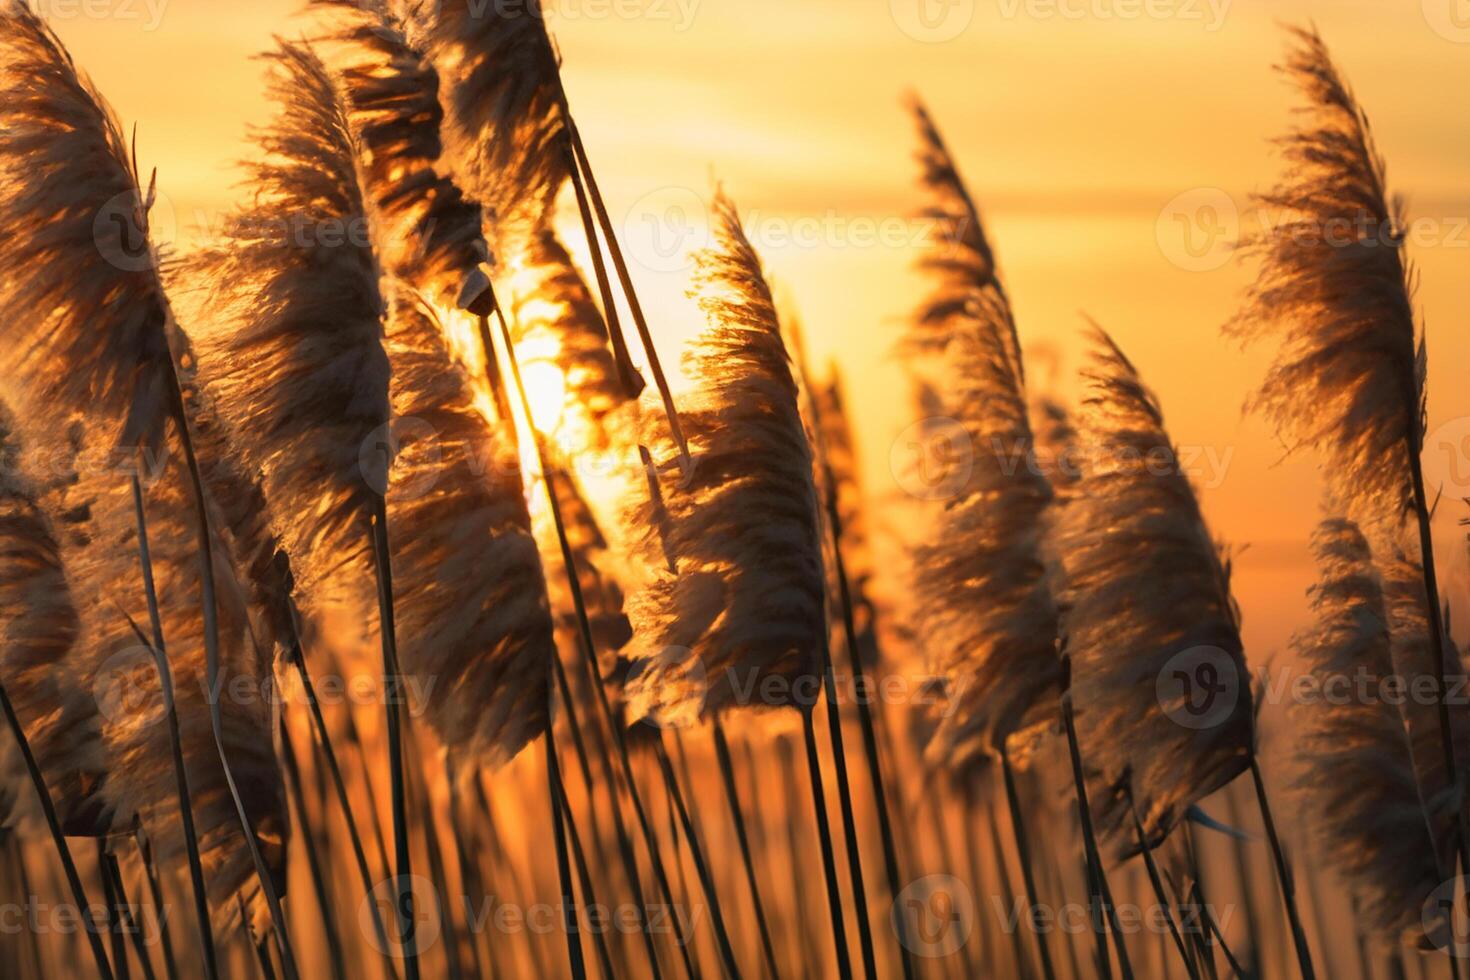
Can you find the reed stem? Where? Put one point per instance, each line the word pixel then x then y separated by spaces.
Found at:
pixel 737 816
pixel 155 891
pixel 48 810
pixel 1283 876
pixel 563 869
pixel 824 835
pixel 1158 884
pixel 176 746
pixel 126 919
pixel 584 877
pixel 1023 852
pixel 392 687
pixel 324 903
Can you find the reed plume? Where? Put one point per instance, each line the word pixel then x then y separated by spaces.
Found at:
pixel 745 600
pixel 78 250
pixel 1144 583
pixel 1335 291
pixel 473 618
pixel 38 662
pixel 981 589
pixel 1355 787
pixel 297 353
pixel 91 343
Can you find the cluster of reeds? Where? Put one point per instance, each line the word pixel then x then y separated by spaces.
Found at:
pixel 240 485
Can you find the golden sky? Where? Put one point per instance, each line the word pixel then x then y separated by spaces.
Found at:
pixel 1094 133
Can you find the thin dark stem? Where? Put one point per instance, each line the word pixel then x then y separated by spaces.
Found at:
pixel 1158 884
pixel 111 906
pixel 849 816
pixel 155 892
pixel 212 675
pixel 701 866
pixel 323 743
pixel 824 835
pixel 1214 928
pixel 737 816
pixel 129 924
pixel 1283 876
pixel 1007 890
pixel 1089 835
pixel 392 688
pixel 48 810
pixel 319 887
pixel 563 869
pixel 584 879
pixel 636 307
pixel 589 645
pixel 171 716
pixel 1023 853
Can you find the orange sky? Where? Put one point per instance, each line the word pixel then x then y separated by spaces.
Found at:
pixel 1076 123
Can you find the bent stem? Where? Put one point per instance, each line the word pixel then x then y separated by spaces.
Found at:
pixel 48 810
pixel 824 836
pixel 732 797
pixel 1023 852
pixel 171 716
pixel 563 869
pixel 1283 876
pixel 1158 884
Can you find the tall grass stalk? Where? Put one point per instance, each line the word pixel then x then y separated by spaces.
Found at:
pixel 48 810
pixel 171 716
pixel 701 865
pixel 824 837
pixel 584 625
pixel 392 694
pixel 113 922
pixel 1007 888
pixel 126 921
pixel 737 817
pixel 1157 882
pixel 156 895
pixel 1089 838
pixel 1283 875
pixel 335 950
pixel 584 881
pixel 559 821
pixel 1023 853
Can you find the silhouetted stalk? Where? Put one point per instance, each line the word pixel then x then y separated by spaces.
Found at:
pixel 323 743
pixel 625 846
pixel 1283 875
pixel 865 719
pixel 1247 885
pixel 849 817
pixel 155 893
pixel 128 922
pixel 737 817
pixel 824 836
pixel 563 869
pixel 1089 837
pixel 392 688
pixel 1007 888
pixel 211 653
pixel 589 896
pixel 110 907
pixel 1208 918
pixel 640 322
pixel 48 810
pixel 488 964
pixel 1158 884
pixel 1023 853
pixel 420 802
pixel 263 959
pixel 171 716
pixel 584 625
pixel 1207 954
pixel 701 867
pixel 324 901
pixel 501 863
